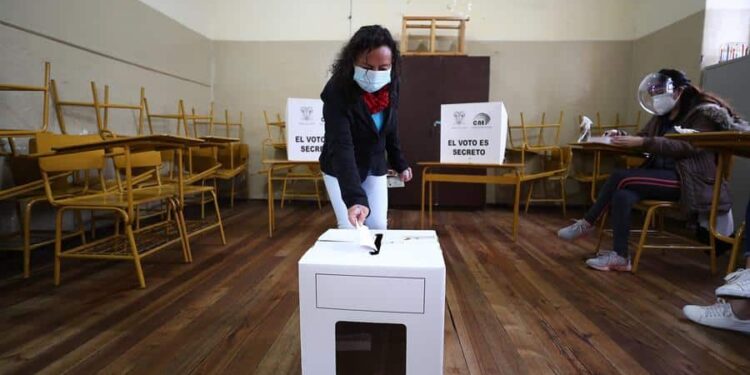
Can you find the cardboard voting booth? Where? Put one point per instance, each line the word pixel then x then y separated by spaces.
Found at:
pixel 305 129
pixel 473 133
pixel 349 296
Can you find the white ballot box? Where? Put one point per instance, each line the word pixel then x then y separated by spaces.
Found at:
pixel 363 309
pixel 474 133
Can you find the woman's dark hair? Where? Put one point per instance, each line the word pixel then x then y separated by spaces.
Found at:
pixel 693 95
pixel 366 39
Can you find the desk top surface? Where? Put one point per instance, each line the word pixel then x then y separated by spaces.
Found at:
pixel 736 142
pixel 136 143
pixel 219 139
pixel 286 162
pixel 399 249
pixel 469 165
pixel 597 146
pixel 729 137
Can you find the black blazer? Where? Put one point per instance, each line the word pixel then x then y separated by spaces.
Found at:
pixel 353 148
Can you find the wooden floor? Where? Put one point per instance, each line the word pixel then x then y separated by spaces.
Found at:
pixel 530 307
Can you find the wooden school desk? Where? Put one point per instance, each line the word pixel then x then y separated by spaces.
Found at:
pixel 598 149
pixel 727 144
pixel 273 165
pixel 515 178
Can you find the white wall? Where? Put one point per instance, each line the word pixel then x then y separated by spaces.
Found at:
pixel 499 20
pixel 652 15
pixel 726 21
pixel 197 15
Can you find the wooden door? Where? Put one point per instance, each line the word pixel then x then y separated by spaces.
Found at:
pixel 427 82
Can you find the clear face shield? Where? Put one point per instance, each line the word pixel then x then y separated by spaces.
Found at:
pixel 657 94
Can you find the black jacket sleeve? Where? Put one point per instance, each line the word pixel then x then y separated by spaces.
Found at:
pixel 339 136
pixel 393 146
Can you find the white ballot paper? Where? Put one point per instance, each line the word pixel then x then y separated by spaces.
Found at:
pixel 361 235
pixel 600 139
pixel 366 239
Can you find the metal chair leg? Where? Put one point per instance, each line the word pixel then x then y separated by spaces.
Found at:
pixel 603 222
pixel 25 221
pixel 528 196
pixel 283 193
pixel 736 248
pixel 172 206
pixel 203 201
pixel 136 256
pixel 218 218
pixel 317 194
pixel 58 245
pixel 644 234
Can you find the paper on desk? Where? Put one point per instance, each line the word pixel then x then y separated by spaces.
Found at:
pixel 604 140
pixel 681 130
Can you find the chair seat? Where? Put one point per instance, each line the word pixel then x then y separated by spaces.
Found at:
pixel 115 199
pixel 588 178
pixel 140 196
pixel 645 204
pixel 172 190
pixel 228 174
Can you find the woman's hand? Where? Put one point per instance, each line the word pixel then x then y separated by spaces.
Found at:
pixel 357 214
pixel 406 175
pixel 627 141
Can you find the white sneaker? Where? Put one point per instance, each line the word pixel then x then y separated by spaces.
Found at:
pixel 609 261
pixel 737 284
pixel 579 228
pixel 718 315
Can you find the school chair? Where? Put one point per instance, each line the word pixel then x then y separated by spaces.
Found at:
pixel 133 244
pixel 27 190
pixel 536 140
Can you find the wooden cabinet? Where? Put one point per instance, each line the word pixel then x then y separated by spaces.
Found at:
pixel 426 83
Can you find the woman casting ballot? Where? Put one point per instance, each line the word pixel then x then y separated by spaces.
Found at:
pixel 360 104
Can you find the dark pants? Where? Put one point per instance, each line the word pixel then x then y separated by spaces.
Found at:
pixel 625 188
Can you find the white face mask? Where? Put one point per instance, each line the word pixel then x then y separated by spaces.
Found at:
pixel 371 80
pixel 663 103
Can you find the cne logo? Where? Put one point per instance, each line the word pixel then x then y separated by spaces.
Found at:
pixel 459 117
pixel 481 119
pixel 306 112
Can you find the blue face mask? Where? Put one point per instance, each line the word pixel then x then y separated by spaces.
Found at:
pixel 371 80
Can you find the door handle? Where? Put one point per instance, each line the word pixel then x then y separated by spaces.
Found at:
pixel 436 124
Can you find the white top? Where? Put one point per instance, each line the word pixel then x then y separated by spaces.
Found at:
pixel 399 248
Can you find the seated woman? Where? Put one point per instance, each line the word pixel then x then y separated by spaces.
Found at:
pixel 674 169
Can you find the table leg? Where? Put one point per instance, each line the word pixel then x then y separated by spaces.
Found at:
pixel 430 203
pixel 736 248
pixel 424 185
pixel 595 174
pixel 270 202
pixel 721 165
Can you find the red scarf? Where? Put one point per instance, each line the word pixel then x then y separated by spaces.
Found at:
pixel 377 101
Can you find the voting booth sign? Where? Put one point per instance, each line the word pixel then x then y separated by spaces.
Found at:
pixel 305 129
pixel 473 133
